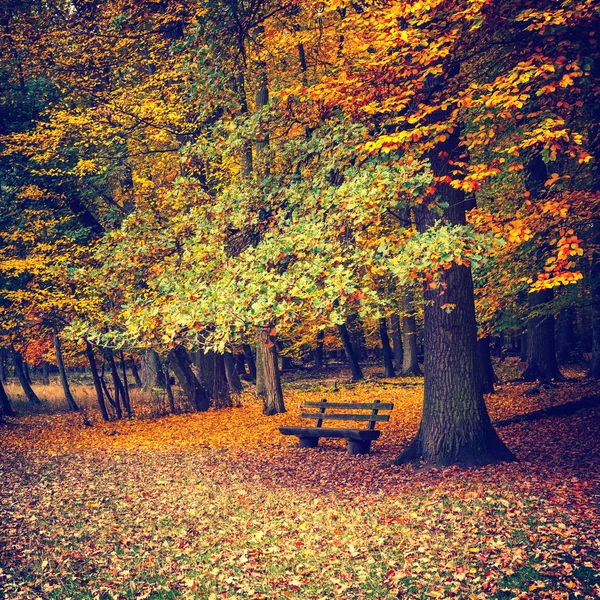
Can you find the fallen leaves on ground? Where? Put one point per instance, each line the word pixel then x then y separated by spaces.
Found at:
pixel 219 505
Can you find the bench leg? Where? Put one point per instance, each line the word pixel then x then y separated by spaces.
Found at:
pixel 309 442
pixel 357 447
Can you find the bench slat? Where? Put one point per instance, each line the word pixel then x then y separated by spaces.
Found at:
pixel 330 432
pixel 351 406
pixel 341 417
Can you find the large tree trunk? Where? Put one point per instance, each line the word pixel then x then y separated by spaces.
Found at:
pixel 396 334
pixel 271 381
pixel 455 427
pixel 388 361
pixel 231 374
pixel 541 356
pixel 410 360
pixel 5 406
pixel 192 388
pixel 63 376
pixel 97 385
pixel 250 360
pixel 357 373
pixel 20 373
pixel 152 375
pixel 488 377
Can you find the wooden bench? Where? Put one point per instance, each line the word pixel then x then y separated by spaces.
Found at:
pixel 359 440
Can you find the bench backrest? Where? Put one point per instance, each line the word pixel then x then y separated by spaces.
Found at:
pixel 372 418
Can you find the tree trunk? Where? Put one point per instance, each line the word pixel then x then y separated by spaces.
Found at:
pixel 169 389
pixel 5 406
pixel 250 360
pixel 410 359
pixel 115 403
pixel 388 361
pixel 232 375
pixel 27 373
pixel 594 371
pixel 3 357
pixel 319 349
pixel 523 350
pixel 541 355
pixel 396 334
pixel 20 373
pixel 135 373
pixel 45 373
pixel 486 368
pixel 455 426
pixel 273 394
pixel 286 362
pixel 126 396
pixel 240 364
pixel 357 374
pixel 261 389
pixel 213 372
pixel 63 376
pixel 565 336
pixel 97 385
pixel 118 385
pixel 152 375
pixel 180 365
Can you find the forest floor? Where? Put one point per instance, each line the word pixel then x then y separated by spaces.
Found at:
pixel 220 505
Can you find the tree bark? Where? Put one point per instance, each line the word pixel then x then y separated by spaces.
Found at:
pixel 250 360
pixel 410 360
pixel 523 350
pixel 388 361
pixel 5 406
pixel 240 364
pixel 63 376
pixel 565 336
pixel 180 365
pixel 319 349
pixel 231 373
pixel 286 362
pixel 45 373
pixel 27 373
pixel 357 373
pixel 214 379
pixel 152 375
pixel 169 389
pixel 271 381
pixel 20 373
pixel 261 389
pixel 541 355
pixel 396 334
pixel 455 426
pixel 126 396
pixel 3 357
pixel 488 377
pixel 135 373
pixel 97 385
pixel 118 385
